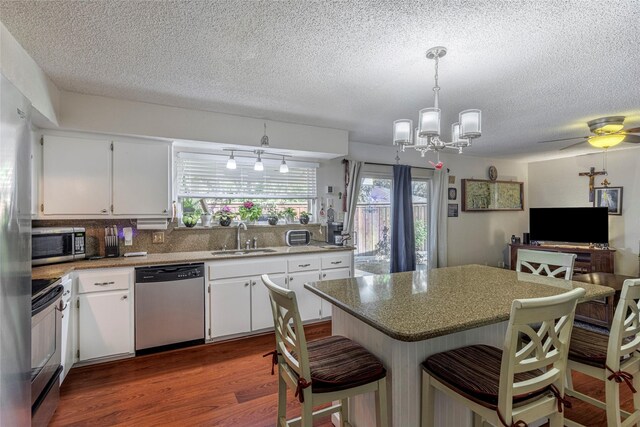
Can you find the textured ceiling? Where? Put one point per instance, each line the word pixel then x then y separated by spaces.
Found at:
pixel 537 69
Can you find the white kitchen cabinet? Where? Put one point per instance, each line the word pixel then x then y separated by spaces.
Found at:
pixel 104 322
pixel 241 305
pixel 76 176
pixel 261 315
pixel 141 178
pixel 104 313
pixel 337 273
pixel 230 306
pixel 309 304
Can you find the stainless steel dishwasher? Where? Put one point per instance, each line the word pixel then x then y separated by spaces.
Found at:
pixel 169 307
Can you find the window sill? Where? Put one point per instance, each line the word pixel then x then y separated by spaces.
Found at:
pixel 182 227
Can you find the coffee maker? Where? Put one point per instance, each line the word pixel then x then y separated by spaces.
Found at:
pixel 334 233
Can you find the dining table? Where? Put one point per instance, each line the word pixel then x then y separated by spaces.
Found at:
pixel 402 318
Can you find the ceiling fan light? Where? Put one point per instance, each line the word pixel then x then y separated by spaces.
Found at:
pixel 610 128
pixel 429 122
pixel 470 123
pixel 402 132
pixel 606 141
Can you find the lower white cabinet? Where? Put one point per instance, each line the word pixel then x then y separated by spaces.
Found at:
pixel 104 312
pixel 337 273
pixel 309 304
pixel 241 305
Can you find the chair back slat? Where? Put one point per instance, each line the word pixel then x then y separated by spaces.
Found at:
pixel 545 261
pixel 624 338
pixel 290 339
pixel 548 347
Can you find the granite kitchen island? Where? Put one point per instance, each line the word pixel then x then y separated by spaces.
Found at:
pixel 404 317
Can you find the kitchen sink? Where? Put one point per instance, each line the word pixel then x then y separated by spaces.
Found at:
pixel 232 252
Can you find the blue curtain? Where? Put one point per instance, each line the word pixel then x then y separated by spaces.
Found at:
pixel 403 243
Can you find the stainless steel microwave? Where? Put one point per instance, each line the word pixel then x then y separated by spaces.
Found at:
pixel 50 245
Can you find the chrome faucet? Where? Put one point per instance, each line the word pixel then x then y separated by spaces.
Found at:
pixel 243 225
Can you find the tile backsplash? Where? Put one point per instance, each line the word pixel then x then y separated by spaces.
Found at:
pixel 180 239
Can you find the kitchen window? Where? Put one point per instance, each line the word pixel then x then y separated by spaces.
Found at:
pixel 205 176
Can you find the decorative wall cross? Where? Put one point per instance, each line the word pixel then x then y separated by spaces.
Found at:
pixel 592 175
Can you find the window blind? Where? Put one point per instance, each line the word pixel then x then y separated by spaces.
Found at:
pixel 207 176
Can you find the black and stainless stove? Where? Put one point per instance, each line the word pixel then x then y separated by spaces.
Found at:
pixel 46 318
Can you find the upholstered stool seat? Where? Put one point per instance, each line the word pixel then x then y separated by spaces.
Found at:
pixel 337 363
pixel 474 372
pixel 588 347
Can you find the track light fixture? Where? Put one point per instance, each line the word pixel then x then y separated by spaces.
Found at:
pixel 284 168
pixel 231 163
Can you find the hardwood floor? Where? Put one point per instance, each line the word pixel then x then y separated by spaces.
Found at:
pixel 227 384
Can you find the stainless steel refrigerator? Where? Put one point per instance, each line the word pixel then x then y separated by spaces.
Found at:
pixel 15 257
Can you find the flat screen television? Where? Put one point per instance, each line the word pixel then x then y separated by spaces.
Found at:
pixel 574 225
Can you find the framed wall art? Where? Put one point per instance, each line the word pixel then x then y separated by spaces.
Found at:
pixel 610 197
pixel 480 195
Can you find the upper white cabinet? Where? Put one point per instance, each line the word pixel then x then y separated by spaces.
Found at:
pixel 83 177
pixel 141 178
pixel 76 176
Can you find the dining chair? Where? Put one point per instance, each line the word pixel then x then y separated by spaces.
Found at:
pixel 612 358
pixel 322 371
pixel 545 261
pixel 509 387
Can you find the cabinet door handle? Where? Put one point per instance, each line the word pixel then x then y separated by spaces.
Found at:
pixel 246 284
pixel 164 211
pixel 304 265
pixel 336 262
pixel 103 211
pixel 104 283
pixel 123 297
pixel 253 283
pixel 290 278
pixel 324 275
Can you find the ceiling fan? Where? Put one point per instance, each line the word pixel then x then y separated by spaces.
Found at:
pixel 607 132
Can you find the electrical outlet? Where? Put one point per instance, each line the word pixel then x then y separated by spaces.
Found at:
pixel 158 237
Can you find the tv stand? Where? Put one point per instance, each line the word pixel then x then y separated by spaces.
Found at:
pixel 588 259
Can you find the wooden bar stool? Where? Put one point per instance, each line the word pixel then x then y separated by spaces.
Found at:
pixel 546 260
pixel 612 358
pixel 509 387
pixel 321 371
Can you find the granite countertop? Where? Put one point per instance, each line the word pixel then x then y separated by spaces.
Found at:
pixel 415 306
pixel 59 270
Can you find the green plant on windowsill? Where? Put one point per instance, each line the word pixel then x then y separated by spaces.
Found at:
pixel 250 211
pixel 289 214
pixel 304 217
pixel 273 215
pixel 191 212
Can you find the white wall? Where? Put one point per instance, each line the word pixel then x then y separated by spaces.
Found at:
pixel 28 77
pixel 555 183
pixel 474 237
pixel 89 113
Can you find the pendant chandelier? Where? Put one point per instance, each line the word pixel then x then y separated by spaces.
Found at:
pixel 426 137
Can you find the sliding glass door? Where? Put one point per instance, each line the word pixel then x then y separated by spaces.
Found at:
pixel 372 223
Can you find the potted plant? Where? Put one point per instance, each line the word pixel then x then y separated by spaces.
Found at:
pixel 304 217
pixel 191 212
pixel 206 214
pixel 224 216
pixel 289 214
pixel 250 211
pixel 273 216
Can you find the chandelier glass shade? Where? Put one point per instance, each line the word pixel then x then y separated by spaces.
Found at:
pixel 427 135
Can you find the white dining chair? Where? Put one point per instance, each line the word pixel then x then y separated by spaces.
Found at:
pixel 322 371
pixel 545 261
pixel 611 358
pixel 509 387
